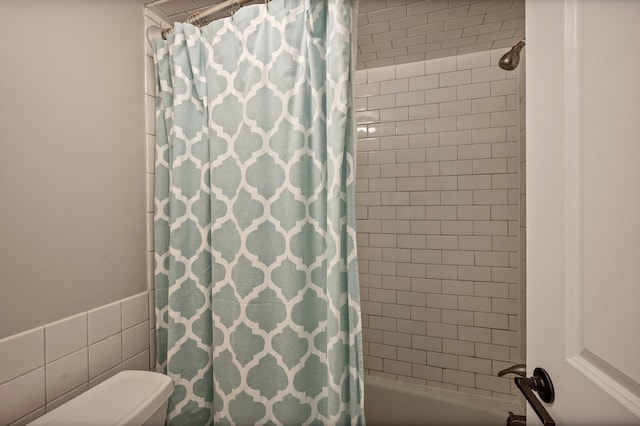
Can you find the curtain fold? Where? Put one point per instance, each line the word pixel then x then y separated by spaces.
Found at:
pixel 256 279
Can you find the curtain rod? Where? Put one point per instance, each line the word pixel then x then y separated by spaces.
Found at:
pixel 196 18
pixel 218 7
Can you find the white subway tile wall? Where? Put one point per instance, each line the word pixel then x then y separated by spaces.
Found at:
pixel 397 32
pixel 438 201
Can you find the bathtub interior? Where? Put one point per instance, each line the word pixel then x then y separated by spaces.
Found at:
pixel 394 403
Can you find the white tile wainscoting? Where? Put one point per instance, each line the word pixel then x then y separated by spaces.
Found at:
pixel 42 368
pixel 437 204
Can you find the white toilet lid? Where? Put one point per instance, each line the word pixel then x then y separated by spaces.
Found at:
pixel 128 398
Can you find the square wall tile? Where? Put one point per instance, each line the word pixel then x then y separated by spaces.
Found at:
pixel 135 310
pixel 104 376
pixel 65 337
pixel 104 321
pixel 105 355
pixel 21 396
pixel 23 421
pixel 66 374
pixel 138 362
pixel 135 340
pixel 21 353
pixel 67 396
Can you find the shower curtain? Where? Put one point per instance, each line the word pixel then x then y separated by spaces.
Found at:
pixel 256 280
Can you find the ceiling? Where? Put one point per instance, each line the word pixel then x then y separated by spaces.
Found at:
pixel 399 31
pixel 179 10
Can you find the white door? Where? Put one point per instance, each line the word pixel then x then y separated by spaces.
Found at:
pixel 583 207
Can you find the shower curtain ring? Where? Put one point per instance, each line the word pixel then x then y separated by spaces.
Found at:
pixel 193 19
pixel 235 6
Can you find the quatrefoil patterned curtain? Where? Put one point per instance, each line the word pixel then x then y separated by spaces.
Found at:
pixel 256 279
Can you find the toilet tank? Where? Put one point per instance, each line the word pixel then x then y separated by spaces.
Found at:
pixel 129 398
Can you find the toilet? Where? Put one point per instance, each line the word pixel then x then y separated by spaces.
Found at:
pixel 130 398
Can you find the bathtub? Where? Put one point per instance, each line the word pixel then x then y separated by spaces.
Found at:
pixel 393 403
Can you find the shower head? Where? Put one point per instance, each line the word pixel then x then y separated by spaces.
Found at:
pixel 511 59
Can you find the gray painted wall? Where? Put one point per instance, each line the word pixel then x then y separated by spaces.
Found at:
pixel 72 168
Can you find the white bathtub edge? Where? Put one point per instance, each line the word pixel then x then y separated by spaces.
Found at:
pixel 399 394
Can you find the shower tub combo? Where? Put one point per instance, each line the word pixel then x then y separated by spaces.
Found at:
pixel 393 403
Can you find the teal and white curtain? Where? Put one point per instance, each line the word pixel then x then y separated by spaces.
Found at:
pixel 256 279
